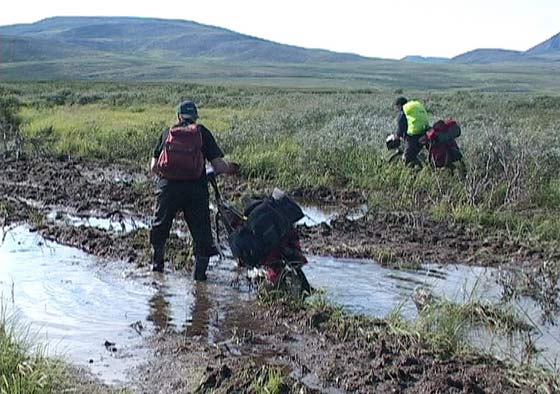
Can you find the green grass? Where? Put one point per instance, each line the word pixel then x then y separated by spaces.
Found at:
pixel 445 325
pixel 97 130
pixel 24 368
pixel 268 381
pixel 27 368
pixel 326 137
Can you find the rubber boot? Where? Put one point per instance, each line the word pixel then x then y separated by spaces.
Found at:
pixel 200 266
pixel 157 259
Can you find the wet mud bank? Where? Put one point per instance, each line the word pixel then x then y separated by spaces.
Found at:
pixel 317 350
pixel 407 239
pixel 35 187
pixel 222 340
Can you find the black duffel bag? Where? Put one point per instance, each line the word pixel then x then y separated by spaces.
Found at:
pixel 268 221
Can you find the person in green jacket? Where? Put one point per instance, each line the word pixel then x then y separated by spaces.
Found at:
pixel 412 123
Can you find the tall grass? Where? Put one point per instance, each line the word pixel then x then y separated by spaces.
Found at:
pixel 268 381
pixel 24 367
pixel 10 135
pixel 333 138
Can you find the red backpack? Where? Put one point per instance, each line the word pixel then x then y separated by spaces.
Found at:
pixel 181 158
pixel 441 143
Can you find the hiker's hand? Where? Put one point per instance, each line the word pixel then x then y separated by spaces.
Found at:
pixel 222 166
pixel 153 168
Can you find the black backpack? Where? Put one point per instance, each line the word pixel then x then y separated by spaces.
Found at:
pixel 268 221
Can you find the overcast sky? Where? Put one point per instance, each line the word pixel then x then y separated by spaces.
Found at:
pixel 376 28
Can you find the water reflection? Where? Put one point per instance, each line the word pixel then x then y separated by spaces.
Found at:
pixel 315 215
pixel 199 320
pixel 70 303
pixel 160 311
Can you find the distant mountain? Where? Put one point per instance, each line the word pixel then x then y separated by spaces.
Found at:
pixel 157 38
pixel 545 52
pixel 488 56
pixel 550 46
pixel 422 59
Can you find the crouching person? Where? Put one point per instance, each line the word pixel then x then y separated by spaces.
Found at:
pixel 179 160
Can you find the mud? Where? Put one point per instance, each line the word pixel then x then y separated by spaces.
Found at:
pixel 76 184
pixel 95 188
pixel 315 353
pixel 312 349
pixel 404 239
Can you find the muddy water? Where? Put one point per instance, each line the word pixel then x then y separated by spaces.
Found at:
pixel 97 313
pixel 368 288
pixel 365 287
pixel 325 214
pixel 84 315
pixel 121 223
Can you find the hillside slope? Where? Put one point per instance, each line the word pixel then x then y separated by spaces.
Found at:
pixel 168 38
pixel 548 47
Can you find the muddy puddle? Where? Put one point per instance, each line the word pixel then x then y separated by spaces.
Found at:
pixel 97 313
pixel 315 215
pixel 367 288
pixel 91 317
pixel 112 173
pixel 116 223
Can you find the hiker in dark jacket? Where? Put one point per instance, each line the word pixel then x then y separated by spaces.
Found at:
pixel 179 159
pixel 412 124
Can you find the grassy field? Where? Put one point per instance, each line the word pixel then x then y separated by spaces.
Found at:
pixel 385 75
pixel 325 137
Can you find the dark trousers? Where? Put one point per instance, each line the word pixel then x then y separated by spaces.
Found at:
pixel 192 199
pixel 411 150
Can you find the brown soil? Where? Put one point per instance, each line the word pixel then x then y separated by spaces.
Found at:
pixel 315 353
pixel 311 349
pixel 93 188
pixel 405 238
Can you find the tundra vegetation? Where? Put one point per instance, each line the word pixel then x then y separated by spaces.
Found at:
pixel 320 137
pixel 312 138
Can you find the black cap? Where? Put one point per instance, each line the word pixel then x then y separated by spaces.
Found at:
pixel 187 109
pixel 400 101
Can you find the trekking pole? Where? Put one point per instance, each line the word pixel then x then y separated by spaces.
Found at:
pixel 211 175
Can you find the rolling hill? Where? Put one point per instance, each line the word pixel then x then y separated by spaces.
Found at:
pixel 545 52
pixel 548 47
pixel 425 59
pixel 488 56
pixel 159 38
pixel 148 49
